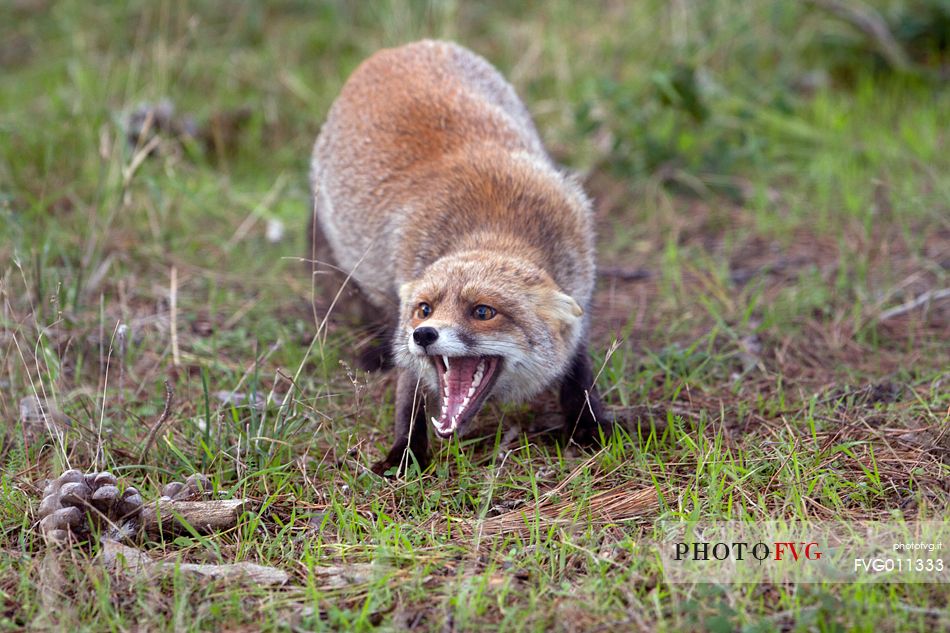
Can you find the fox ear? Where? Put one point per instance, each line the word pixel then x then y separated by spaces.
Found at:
pixel 562 307
pixel 568 305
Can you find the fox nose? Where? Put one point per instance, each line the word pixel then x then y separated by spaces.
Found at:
pixel 425 335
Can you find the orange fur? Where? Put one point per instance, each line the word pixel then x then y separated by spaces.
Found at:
pixel 431 184
pixel 428 149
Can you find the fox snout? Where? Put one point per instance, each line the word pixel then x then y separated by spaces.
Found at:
pixel 437 339
pixel 425 335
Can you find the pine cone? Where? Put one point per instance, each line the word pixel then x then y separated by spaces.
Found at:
pixel 76 504
pixel 197 486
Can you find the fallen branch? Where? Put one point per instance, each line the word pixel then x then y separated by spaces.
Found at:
pixel 205 517
pixel 117 557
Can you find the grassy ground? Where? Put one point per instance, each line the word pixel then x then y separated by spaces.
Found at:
pixel 768 190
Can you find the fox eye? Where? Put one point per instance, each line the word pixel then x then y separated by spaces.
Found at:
pixel 484 313
pixel 423 310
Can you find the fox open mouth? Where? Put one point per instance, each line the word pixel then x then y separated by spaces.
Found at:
pixel 464 383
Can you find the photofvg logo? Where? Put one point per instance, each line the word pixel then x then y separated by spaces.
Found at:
pixel 804 552
pixel 778 551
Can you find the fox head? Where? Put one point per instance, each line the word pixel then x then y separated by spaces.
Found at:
pixel 482 322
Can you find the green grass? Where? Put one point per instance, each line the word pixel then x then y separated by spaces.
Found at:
pixel 776 221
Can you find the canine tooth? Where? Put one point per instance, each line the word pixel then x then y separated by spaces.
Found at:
pixel 434 421
pixel 445 359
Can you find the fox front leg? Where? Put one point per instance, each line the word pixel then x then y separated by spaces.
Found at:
pixel 584 413
pixel 411 432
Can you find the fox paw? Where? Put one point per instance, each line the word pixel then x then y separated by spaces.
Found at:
pixel 396 465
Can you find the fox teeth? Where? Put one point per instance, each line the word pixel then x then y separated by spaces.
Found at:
pixel 445 359
pixel 435 421
pixel 465 402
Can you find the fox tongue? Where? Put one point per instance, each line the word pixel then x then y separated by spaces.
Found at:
pixel 458 388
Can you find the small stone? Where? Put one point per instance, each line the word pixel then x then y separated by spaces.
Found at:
pixel 315 522
pixel 275 230
pixel 236 398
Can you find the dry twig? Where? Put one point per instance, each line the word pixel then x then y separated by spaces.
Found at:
pixel 166 412
pixel 617 504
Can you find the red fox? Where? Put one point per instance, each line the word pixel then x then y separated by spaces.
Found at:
pixel 432 189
